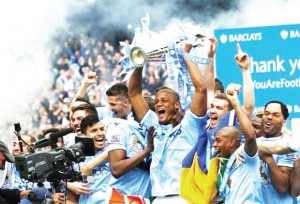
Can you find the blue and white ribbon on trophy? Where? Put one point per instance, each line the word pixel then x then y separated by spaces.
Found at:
pixel 175 64
pixel 125 62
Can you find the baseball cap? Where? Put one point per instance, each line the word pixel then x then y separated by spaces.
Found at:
pixel 4 149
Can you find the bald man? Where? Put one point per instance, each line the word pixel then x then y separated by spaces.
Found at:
pixel 237 182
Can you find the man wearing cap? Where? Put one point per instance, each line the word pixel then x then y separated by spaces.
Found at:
pixel 11 196
pixel 5 155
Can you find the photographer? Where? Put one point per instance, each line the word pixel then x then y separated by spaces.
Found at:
pixel 9 195
pixel 20 175
pixel 11 178
pixel 44 193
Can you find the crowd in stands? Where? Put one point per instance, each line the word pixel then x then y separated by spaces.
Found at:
pixel 71 60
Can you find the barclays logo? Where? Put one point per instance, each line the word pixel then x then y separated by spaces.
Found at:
pixel 240 37
pixel 284 34
pixel 295 34
pixel 223 38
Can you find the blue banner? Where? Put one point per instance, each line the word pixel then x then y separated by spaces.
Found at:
pixel 274 59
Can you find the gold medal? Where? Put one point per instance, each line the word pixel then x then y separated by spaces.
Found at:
pixel 90 179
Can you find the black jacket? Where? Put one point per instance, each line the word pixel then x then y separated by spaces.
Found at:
pixel 11 196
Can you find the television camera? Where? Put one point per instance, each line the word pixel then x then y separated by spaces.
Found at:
pixel 53 164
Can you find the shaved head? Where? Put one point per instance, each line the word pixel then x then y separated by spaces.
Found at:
pixel 227 140
pixel 231 132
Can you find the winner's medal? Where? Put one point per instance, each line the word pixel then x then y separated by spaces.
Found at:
pixel 90 179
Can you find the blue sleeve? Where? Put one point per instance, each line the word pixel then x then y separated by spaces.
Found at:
pixel 286 160
pixel 193 124
pixel 254 159
pixel 150 119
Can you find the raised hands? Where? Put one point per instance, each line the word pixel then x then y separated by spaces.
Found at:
pixel 241 58
pixel 213 47
pixel 90 78
pixel 186 46
pixel 232 91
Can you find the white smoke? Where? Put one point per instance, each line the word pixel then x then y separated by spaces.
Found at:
pixel 259 13
pixel 25 68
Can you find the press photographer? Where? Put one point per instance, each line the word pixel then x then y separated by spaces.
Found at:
pixel 51 165
pixel 9 195
pixel 55 163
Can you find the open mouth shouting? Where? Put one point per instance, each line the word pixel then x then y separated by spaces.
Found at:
pixel 99 141
pixel 77 129
pixel 161 112
pixel 213 120
pixel 268 125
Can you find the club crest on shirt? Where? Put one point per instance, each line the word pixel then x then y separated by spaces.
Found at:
pixel 115 138
pixel 101 171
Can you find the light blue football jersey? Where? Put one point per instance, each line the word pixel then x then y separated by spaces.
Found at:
pixel 270 194
pixel 132 138
pixel 98 183
pixel 243 185
pixel 171 145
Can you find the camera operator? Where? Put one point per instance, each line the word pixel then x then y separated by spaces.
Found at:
pixel 31 192
pixel 28 139
pixel 11 196
pixel 39 194
pixel 11 175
